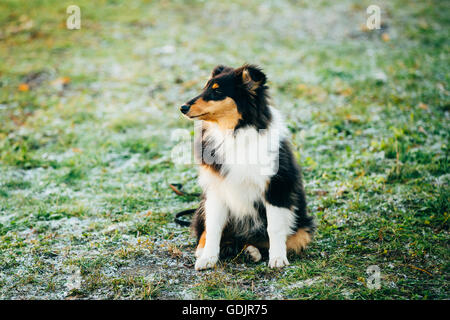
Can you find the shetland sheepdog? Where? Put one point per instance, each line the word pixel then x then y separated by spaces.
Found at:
pixel 253 197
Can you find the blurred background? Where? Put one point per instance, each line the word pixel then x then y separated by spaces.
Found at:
pixel 86 117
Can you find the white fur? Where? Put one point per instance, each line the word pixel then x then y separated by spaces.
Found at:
pixel 216 217
pixel 279 221
pixel 244 184
pixel 198 252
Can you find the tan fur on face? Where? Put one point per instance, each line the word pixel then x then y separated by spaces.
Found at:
pixel 223 112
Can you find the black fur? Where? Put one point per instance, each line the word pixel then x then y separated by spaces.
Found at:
pixel 286 190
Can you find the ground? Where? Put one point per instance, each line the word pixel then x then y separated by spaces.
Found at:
pixel 87 118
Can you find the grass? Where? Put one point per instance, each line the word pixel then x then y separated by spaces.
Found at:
pixel 86 118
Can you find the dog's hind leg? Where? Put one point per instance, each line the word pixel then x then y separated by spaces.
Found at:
pixel 253 252
pixel 299 240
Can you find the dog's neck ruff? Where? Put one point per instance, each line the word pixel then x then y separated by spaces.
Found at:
pixel 247 159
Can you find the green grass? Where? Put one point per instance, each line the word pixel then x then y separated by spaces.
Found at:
pixel 85 166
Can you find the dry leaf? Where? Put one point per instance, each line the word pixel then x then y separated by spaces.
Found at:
pixel 321 192
pixel 423 106
pixel 148 213
pixel 421 129
pixel 24 87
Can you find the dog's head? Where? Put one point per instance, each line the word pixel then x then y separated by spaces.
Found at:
pixel 231 97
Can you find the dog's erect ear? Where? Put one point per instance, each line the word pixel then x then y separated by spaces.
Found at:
pixel 220 69
pixel 251 76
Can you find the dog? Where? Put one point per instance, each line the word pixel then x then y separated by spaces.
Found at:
pixel 247 206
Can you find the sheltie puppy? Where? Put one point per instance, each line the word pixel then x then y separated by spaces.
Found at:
pixel 253 196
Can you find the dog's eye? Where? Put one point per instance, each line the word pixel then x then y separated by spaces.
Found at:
pixel 218 93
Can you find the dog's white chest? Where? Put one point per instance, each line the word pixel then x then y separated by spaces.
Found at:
pixel 244 176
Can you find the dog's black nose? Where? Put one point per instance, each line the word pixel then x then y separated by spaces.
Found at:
pixel 185 109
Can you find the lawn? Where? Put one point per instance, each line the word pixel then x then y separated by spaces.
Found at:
pixel 86 124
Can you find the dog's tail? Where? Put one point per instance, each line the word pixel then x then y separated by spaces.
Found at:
pixel 182 222
pixel 176 187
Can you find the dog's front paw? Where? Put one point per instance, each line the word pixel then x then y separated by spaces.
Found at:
pixel 199 252
pixel 278 262
pixel 205 262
